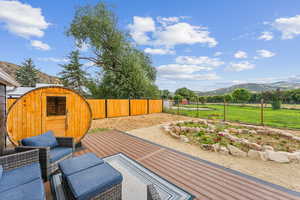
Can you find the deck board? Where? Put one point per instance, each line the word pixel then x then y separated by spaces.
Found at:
pixel 205 181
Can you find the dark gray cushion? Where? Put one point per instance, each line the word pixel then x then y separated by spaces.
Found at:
pixel 19 176
pixel 94 180
pixel 59 152
pixel 79 163
pixel 33 190
pixel 44 140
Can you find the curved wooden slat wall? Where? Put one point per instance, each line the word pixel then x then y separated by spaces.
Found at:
pixel 138 106
pixel 97 107
pixel 24 117
pixel 155 106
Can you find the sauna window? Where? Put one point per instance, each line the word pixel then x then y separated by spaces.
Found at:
pixel 56 106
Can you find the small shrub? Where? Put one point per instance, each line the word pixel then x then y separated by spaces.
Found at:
pixel 276 104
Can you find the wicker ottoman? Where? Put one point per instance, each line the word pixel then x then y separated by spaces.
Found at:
pixel 88 177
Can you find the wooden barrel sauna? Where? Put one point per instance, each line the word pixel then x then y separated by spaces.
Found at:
pixel 59 109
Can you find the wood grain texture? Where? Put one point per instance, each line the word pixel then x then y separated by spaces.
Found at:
pixel 117 107
pixel 155 106
pixel 28 117
pixel 98 108
pixel 9 102
pixel 205 181
pixel 138 107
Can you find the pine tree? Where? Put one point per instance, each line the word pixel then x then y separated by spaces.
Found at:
pixel 26 75
pixel 72 75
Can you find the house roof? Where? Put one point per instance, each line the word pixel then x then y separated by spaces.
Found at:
pixel 7 79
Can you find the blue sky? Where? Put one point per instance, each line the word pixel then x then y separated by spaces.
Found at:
pixel 198 44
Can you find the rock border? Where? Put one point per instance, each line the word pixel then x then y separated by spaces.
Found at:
pixel 256 151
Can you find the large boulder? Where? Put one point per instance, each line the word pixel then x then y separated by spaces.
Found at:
pixel 279 156
pixel 184 139
pixel 216 147
pixel 295 156
pixel 223 150
pixel 267 147
pixel 236 151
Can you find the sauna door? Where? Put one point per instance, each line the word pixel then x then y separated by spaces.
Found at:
pixel 55 113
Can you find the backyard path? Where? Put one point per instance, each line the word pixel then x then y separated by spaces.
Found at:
pixel 203 179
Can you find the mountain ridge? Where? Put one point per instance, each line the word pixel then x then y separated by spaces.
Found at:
pixel 11 69
pixel 254 87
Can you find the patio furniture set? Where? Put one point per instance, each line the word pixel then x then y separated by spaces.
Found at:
pixel 22 173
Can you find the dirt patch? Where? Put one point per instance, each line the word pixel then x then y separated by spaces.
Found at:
pixel 135 122
pixel 287 175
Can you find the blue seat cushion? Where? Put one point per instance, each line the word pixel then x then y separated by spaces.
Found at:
pixel 1 171
pixel 44 140
pixel 33 190
pixel 74 165
pixel 93 181
pixel 19 176
pixel 59 152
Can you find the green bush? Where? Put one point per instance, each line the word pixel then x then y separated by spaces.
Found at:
pixel 276 104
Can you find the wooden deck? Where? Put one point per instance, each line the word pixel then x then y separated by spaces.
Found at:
pixel 204 180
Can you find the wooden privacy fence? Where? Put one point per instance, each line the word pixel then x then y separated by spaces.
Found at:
pixel 105 108
pixel 124 107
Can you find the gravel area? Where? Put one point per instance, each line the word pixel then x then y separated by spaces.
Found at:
pixel 134 122
pixel 287 175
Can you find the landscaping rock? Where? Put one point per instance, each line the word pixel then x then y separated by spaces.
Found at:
pixel 254 154
pixel 279 156
pixel 263 156
pixel 255 146
pixel 184 139
pixel 267 147
pixel 174 134
pixel 295 156
pixel 207 147
pixel 244 131
pixel 236 151
pixel 287 135
pixel 296 138
pixel 223 150
pixel 216 147
pixel 253 132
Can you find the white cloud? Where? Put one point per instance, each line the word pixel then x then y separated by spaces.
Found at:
pixel 172 69
pixel 22 19
pixel 264 54
pixel 240 54
pixel 144 31
pixel 140 27
pixel 218 53
pixel 289 26
pixel 159 51
pixel 201 60
pixel 240 66
pixel 266 35
pixel 40 45
pixel 52 59
pixel 184 33
pixel 192 77
pixel 169 20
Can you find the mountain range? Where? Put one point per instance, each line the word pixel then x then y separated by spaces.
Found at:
pixel 254 87
pixel 43 77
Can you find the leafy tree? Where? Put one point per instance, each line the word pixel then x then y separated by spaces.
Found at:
pixel 26 75
pixel 165 94
pixel 72 75
pixel 185 93
pixel 276 102
pixel 178 98
pixel 241 95
pixel 126 72
pixel 202 99
pixel 228 98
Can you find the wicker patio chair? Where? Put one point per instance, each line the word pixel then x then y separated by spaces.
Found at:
pixel 48 167
pixel 152 193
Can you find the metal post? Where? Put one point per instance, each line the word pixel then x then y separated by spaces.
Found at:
pixel 178 107
pixel 224 110
pixel 197 107
pixel 262 112
pixel 106 108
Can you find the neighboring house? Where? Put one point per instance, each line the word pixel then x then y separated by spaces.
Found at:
pixel 16 92
pixel 5 80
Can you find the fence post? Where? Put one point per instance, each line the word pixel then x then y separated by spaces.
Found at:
pixel 224 110
pixel 106 108
pixel 197 107
pixel 262 112
pixel 178 107
pixel 129 105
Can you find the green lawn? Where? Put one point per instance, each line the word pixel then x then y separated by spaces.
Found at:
pixel 283 118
